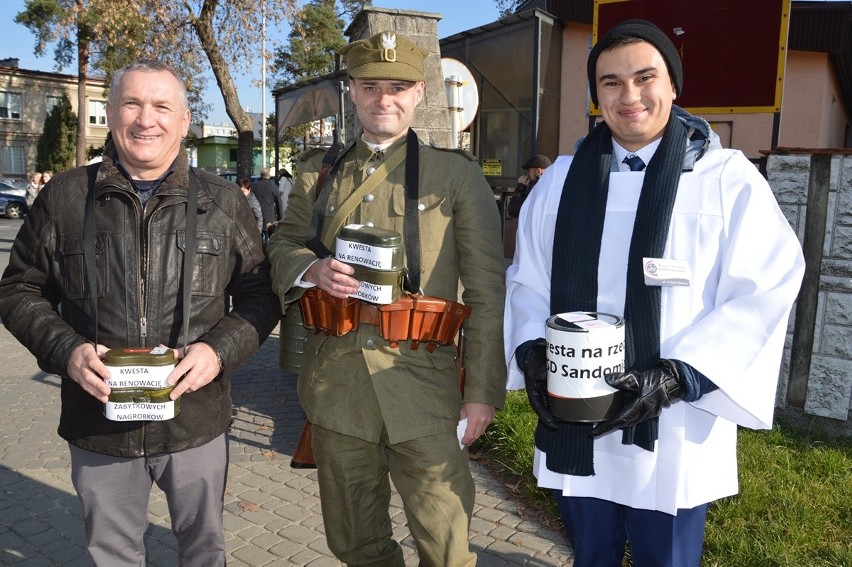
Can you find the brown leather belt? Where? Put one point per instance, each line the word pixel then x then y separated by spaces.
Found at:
pixel 369 313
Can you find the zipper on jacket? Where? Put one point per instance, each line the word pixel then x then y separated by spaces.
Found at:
pixel 143 272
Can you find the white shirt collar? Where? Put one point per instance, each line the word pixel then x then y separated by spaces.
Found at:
pixel 376 147
pixel 646 153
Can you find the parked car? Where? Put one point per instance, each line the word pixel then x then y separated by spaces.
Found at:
pixel 13 188
pixel 13 206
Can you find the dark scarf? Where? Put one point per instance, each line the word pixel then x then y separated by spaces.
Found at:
pixel 574 277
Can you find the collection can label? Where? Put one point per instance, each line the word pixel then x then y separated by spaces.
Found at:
pixel 139 387
pixel 582 348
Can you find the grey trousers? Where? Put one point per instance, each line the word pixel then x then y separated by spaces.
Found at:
pixel 432 476
pixel 114 494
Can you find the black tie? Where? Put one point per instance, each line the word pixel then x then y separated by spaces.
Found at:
pixel 634 162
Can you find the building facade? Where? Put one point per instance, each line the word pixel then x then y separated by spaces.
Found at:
pixel 213 148
pixel 26 98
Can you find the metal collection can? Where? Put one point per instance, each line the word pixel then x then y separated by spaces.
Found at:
pixel 139 387
pixel 377 256
pixel 582 348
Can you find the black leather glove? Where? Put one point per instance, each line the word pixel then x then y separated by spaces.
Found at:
pixel 653 389
pixel 534 366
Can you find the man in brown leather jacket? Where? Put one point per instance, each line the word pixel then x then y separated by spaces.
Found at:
pixel 379 411
pixel 135 247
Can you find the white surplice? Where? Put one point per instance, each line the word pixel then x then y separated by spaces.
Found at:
pixel 746 268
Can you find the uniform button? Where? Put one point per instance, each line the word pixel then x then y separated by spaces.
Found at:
pixel 421 207
pixel 369 198
pixel 331 208
pixel 371 170
pixel 369 224
pixel 370 343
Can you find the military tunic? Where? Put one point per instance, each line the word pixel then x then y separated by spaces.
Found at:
pixel 357 384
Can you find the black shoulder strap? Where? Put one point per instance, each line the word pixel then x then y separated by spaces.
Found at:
pixel 189 250
pixel 89 250
pixel 411 224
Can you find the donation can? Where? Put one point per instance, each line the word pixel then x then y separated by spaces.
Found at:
pixel 139 387
pixel 377 255
pixel 582 348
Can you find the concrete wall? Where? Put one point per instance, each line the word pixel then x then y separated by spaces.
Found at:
pixel 816 377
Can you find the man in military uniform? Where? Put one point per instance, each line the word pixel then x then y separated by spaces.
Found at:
pixel 379 410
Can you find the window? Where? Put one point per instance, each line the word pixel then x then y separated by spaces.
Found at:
pixel 10 105
pixel 12 160
pixel 97 113
pixel 50 102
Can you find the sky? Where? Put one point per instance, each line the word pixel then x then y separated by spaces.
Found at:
pixel 459 15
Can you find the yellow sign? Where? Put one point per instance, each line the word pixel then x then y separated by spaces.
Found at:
pixel 493 167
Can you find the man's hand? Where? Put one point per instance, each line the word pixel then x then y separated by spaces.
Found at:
pixel 535 379
pixel 86 367
pixel 198 366
pixel 652 389
pixel 479 417
pixel 332 276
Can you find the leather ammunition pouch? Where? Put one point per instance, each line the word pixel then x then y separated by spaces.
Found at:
pixel 433 321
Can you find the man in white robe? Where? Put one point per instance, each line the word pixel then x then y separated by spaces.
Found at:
pixel 716 363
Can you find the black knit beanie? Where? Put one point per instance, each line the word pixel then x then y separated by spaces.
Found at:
pixel 646 31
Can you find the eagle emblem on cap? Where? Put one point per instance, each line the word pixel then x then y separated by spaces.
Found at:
pixel 389 47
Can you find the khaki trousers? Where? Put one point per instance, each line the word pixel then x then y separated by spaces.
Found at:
pixel 431 474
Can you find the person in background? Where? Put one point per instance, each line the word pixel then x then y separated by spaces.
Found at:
pixel 380 410
pixel 534 167
pixel 245 187
pixel 45 177
pixel 285 186
pixel 654 221
pixel 33 188
pixel 270 202
pixel 137 200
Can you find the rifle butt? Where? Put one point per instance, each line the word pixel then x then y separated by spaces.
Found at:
pixel 303 456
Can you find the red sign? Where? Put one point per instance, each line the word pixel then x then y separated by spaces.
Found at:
pixel 733 51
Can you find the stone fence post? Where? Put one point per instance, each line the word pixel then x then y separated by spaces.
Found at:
pixel 814 189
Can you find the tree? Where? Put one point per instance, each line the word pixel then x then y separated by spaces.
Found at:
pixel 57 144
pixel 93 27
pixel 507 7
pixel 224 32
pixel 316 35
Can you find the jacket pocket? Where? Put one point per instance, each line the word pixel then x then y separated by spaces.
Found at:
pixel 73 265
pixel 209 274
pixel 434 215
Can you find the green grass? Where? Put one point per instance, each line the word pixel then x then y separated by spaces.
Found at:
pixel 794 508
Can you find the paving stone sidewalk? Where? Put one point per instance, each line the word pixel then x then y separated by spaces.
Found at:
pixel 272 512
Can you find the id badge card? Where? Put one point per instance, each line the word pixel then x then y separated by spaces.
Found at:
pixel 666 273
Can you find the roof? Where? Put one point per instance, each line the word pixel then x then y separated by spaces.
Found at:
pixel 826 27
pixel 5 69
